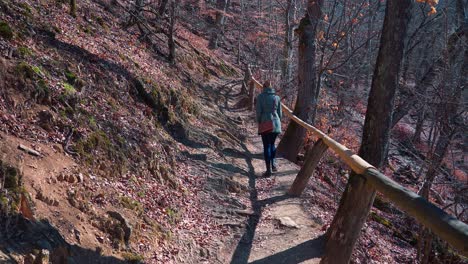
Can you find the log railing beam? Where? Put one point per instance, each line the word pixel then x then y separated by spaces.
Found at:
pixel 447 227
pixel 450 229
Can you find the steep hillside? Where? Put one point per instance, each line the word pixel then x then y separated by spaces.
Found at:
pixel 112 122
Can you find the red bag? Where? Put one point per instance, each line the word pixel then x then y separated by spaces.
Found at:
pixel 267 126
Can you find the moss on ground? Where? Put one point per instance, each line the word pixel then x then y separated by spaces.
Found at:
pixel 70 76
pixel 381 220
pixel 98 143
pixel 38 71
pixel 173 215
pixel 133 258
pixel 5 30
pixel 131 204
pixel 410 237
pixel 26 9
pixel 68 89
pixel 25 70
pixel 10 200
pixel 171 105
pixel 96 140
pixel 25 51
pixel 41 91
pixel 226 69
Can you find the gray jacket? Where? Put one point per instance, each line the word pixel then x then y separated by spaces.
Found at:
pixel 265 102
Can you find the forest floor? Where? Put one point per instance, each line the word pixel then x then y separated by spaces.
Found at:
pixel 178 161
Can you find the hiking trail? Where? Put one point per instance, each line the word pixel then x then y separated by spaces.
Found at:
pixel 277 228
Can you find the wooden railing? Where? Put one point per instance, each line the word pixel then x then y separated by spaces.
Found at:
pixel 447 227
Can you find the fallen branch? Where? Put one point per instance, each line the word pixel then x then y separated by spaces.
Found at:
pixel 65 145
pixel 29 150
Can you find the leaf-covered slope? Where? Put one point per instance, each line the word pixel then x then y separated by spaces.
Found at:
pixel 87 90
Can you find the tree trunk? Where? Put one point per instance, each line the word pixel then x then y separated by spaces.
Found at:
pixel 171 41
pixel 461 12
pixel 312 159
pixel 247 77
pixel 368 44
pixel 306 102
pixel 451 89
pixel 162 7
pixel 359 195
pixel 348 67
pixel 287 49
pixel 241 29
pixel 425 237
pixel 251 95
pixel 419 126
pixel 428 79
pixel 221 5
pixel 73 8
pixel 427 247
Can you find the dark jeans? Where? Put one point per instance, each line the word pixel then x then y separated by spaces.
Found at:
pixel 269 149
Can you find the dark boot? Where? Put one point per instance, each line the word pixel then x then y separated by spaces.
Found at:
pixel 267 173
pixel 273 165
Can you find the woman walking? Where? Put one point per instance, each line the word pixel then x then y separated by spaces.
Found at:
pixel 269 114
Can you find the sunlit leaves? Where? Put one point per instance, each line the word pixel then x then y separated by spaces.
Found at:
pixel 432 4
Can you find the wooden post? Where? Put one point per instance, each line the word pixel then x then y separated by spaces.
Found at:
pixel 251 95
pixel 312 159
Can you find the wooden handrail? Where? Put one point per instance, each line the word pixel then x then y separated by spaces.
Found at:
pixel 447 227
pixel 356 163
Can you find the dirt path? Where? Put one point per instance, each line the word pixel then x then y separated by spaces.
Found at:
pixel 277 229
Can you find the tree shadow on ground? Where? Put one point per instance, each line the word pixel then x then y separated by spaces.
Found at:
pixel 285 173
pixel 191 136
pixel 228 167
pixel 307 250
pixel 222 95
pixel 244 247
pixel 297 254
pixel 241 155
pixel 201 157
pixel 24 237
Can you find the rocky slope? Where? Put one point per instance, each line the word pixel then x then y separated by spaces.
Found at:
pixel 110 126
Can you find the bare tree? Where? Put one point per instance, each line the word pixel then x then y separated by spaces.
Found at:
pixel 455 72
pixel 428 79
pixel 172 23
pixel 241 30
pixel 359 195
pixel 288 44
pixel 221 6
pixel 145 16
pixel 73 8
pixel 306 103
pixel 162 7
